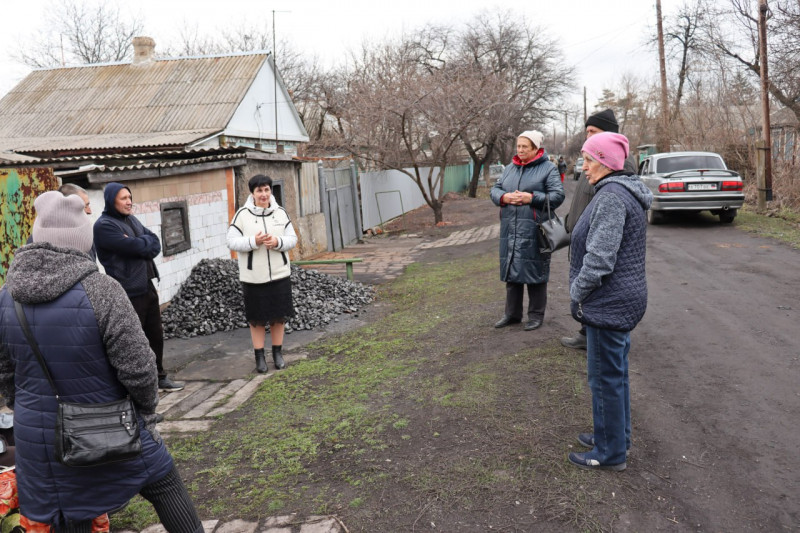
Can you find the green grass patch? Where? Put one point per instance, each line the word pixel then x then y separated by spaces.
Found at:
pixel 317 435
pixel 782 225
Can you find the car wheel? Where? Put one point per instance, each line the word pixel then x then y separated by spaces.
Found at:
pixel 726 217
pixel 654 217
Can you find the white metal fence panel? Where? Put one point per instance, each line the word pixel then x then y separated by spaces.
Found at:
pixel 388 194
pixel 309 189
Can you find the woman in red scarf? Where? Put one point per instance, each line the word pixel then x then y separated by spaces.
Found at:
pixel 521 192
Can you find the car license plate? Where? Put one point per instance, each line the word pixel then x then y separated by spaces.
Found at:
pixel 701 187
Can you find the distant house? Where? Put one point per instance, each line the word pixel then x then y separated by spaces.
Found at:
pixel 785 134
pixel 185 134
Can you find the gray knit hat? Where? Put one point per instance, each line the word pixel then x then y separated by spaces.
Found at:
pixel 61 221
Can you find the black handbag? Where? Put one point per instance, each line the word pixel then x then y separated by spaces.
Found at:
pixel 552 232
pixel 89 434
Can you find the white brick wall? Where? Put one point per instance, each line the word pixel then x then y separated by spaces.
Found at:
pixel 208 224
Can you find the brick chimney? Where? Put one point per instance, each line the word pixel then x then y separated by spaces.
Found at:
pixel 143 50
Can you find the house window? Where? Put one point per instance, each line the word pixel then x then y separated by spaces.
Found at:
pixel 175 227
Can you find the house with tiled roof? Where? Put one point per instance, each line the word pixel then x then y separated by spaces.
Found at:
pixel 184 134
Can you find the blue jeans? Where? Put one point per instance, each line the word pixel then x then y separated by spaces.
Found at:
pixel 607 368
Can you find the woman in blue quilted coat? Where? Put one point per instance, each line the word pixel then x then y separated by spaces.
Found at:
pixel 95 349
pixel 608 293
pixel 521 192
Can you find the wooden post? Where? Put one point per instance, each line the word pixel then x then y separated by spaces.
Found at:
pixel 762 157
pixel 663 128
pixel 765 188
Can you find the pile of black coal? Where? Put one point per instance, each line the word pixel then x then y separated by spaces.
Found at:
pixel 210 300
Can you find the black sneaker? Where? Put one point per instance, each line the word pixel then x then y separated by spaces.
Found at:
pixel 582 460
pixel 159 418
pixel 168 385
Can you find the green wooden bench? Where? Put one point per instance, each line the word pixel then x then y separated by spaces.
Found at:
pixel 349 262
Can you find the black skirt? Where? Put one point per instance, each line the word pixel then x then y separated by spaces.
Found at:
pixel 268 302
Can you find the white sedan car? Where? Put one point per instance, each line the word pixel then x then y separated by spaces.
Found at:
pixel 691 181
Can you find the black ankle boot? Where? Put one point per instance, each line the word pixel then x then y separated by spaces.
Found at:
pixel 277 357
pixel 261 361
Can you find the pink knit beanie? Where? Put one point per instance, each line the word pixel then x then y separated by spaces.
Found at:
pixel 610 149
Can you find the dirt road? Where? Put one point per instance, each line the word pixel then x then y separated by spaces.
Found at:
pixel 717 369
pixel 715 378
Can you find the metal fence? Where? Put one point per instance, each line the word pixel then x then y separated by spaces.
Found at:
pixel 308 189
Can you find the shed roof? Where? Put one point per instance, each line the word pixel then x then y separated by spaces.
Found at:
pixel 163 102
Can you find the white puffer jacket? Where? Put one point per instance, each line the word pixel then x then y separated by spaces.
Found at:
pixel 257 264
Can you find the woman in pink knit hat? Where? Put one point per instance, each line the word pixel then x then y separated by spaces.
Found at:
pixel 608 293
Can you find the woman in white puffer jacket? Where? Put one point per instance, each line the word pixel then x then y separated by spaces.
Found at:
pixel 262 235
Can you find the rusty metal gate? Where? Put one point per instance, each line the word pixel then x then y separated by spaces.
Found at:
pixel 339 195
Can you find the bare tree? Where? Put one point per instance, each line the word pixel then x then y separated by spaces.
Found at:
pixel 683 44
pixel 732 32
pixel 79 32
pixel 525 78
pixel 406 107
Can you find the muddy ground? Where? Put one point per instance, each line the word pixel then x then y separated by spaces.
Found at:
pixel 715 368
pixel 715 377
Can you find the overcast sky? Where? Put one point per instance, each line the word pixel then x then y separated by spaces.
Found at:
pixel 602 39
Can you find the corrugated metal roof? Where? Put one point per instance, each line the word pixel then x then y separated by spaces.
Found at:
pixel 183 153
pixel 169 163
pixel 158 103
pixel 10 157
pixel 104 141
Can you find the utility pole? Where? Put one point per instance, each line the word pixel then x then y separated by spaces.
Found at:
pixel 585 116
pixel 275 79
pixel 275 76
pixel 765 186
pixel 663 126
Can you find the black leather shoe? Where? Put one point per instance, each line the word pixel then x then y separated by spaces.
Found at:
pixel 506 321
pixel 261 361
pixel 277 358
pixel 531 325
pixel 577 342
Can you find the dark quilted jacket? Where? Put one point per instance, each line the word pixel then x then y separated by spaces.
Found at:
pixel 96 352
pixel 608 287
pixel 520 259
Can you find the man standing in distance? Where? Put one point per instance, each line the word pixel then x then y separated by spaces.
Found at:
pixel 126 250
pixel 69 189
pixel 584 192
